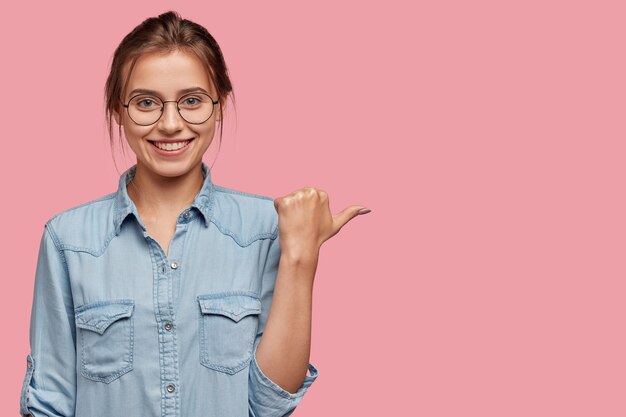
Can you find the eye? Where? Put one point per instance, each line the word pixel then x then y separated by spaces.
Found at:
pixel 191 101
pixel 145 103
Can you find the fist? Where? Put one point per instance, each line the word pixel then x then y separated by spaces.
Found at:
pixel 305 221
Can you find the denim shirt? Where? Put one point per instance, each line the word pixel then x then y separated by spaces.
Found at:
pixel 120 329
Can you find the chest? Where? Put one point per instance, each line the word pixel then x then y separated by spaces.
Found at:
pixel 162 230
pixel 200 260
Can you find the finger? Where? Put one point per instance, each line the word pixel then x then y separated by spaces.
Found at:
pixel 344 216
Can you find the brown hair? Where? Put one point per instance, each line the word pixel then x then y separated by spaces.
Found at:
pixel 167 32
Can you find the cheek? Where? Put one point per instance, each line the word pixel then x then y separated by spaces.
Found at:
pixel 207 132
pixel 133 136
pixel 134 132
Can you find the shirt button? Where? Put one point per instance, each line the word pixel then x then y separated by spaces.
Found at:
pixel 168 326
pixel 186 215
pixel 170 388
pixel 174 265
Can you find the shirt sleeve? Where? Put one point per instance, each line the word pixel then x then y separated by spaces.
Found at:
pixel 266 398
pixel 49 387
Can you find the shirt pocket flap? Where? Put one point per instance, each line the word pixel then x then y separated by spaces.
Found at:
pixel 99 316
pixel 233 306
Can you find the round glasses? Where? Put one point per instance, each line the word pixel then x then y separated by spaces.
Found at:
pixel 194 108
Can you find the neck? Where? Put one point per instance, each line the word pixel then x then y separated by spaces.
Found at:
pixel 156 196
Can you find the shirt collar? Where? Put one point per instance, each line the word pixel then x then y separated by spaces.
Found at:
pixel 123 205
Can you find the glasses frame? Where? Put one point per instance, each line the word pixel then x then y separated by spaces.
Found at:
pixel 214 102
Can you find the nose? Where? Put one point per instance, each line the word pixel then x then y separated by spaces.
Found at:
pixel 170 120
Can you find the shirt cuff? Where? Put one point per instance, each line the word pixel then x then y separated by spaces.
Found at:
pixel 25 393
pixel 267 395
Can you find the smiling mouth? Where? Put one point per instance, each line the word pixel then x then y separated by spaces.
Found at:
pixel 170 146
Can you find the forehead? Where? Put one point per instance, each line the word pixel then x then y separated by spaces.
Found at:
pixel 168 73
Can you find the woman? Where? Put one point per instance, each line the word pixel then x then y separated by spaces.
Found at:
pixel 155 299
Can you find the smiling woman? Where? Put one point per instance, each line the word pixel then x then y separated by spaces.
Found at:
pixel 176 296
pixel 171 128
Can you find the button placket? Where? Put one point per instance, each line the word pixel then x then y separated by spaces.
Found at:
pixel 167 292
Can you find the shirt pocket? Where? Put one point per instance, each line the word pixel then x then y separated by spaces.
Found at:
pixel 105 331
pixel 228 326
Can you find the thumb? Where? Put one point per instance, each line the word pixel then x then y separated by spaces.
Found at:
pixel 344 216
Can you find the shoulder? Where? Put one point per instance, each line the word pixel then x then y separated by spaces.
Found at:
pixel 244 216
pixel 84 227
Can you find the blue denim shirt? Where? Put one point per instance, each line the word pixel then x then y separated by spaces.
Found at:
pixel 119 329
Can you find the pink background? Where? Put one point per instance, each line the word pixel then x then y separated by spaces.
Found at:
pixel 487 137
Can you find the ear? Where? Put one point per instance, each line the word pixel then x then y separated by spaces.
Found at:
pixel 218 114
pixel 117 118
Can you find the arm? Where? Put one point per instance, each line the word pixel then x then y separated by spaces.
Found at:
pixel 49 387
pixel 281 357
pixel 267 393
pixel 283 353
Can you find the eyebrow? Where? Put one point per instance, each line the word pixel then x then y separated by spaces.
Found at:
pixel 155 93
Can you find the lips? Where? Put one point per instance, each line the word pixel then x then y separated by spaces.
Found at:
pixel 169 140
pixel 171 145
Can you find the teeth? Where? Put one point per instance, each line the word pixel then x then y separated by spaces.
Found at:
pixel 171 146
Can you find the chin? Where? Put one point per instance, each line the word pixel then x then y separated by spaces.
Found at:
pixel 171 169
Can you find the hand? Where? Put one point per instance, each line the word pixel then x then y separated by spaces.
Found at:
pixel 305 222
